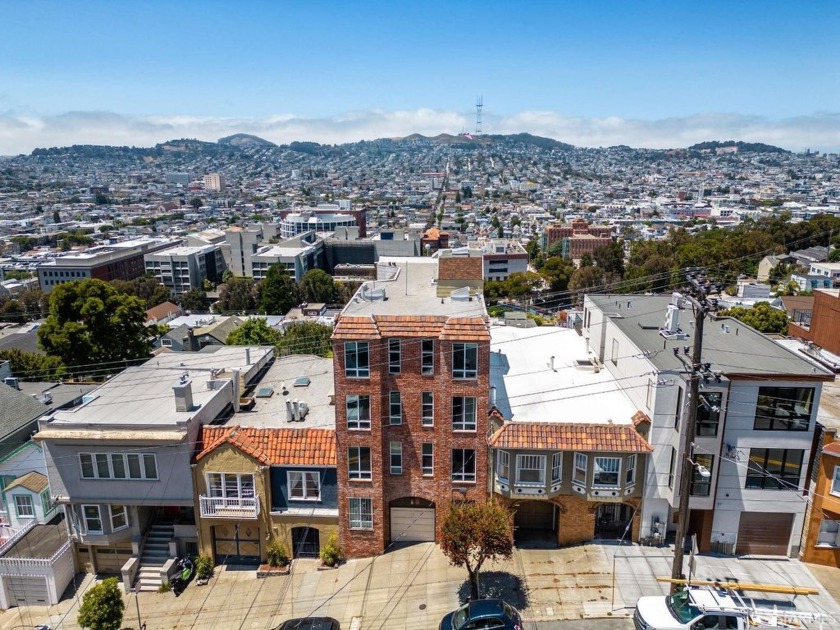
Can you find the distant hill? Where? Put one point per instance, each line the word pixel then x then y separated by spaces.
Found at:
pixel 525 139
pixel 743 147
pixel 245 139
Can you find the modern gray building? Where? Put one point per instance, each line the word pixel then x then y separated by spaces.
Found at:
pixel 183 268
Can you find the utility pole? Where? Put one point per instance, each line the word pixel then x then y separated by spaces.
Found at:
pixel 701 307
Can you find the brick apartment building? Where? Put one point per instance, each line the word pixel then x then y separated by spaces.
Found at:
pixel 411 396
pixel 578 237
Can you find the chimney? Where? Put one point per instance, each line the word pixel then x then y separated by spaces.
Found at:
pixel 492 395
pixel 234 375
pixel 290 414
pixel 551 363
pixel 295 410
pixel 247 356
pixel 183 395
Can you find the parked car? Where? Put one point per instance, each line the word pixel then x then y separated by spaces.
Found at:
pixel 483 613
pixel 310 623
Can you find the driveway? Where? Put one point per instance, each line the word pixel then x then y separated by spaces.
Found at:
pixel 414 586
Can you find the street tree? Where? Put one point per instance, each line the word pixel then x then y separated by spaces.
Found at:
pixel 763 317
pixel 586 278
pixel 31 366
pixel 254 332
pixel 238 295
pixel 306 338
pixel 193 300
pixel 317 286
pixel 90 322
pixel 146 288
pixel 102 606
pixel 474 533
pixel 279 292
pixel 557 272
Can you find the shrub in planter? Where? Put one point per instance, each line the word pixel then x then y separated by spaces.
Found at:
pixel 278 556
pixel 203 567
pixel 164 587
pixel 331 552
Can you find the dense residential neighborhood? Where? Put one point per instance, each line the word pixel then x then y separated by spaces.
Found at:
pixel 273 360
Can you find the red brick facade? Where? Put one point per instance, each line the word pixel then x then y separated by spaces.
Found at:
pixel 385 488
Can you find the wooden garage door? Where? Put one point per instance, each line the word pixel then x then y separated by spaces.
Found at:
pixel 27 591
pixel 412 524
pixel 534 515
pixel 762 533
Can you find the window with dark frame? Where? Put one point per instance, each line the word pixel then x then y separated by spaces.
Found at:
pixel 356 359
pixel 394 408
pixel 427 357
pixel 396 458
pixel 783 408
pixel 672 467
pixel 358 412
pixel 428 456
pixel 463 465
pixel 358 462
pixel 464 360
pixel 774 469
pixel 702 486
pixel 394 356
pixel 463 413
pixel 428 409
pixel 708 414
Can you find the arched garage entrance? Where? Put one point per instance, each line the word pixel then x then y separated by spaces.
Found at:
pixel 535 523
pixel 612 519
pixel 412 520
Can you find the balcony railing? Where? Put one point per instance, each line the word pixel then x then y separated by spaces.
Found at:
pixel 229 507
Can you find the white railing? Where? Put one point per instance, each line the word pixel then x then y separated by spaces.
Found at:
pixel 8 544
pixel 229 507
pixel 12 566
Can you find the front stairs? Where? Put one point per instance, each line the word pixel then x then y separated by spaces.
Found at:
pixel 154 555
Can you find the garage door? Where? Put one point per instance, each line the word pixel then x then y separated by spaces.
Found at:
pixel 412 524
pixel 27 591
pixel 762 533
pixel 534 515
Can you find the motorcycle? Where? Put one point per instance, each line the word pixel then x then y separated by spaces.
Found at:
pixel 184 570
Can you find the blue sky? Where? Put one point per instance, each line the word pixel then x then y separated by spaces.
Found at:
pixel 591 73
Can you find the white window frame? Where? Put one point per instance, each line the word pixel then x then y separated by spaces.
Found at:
pixel 165 342
pixel 360 473
pixel 113 515
pixel 30 506
pixel 130 466
pixel 303 476
pixel 835 482
pixel 828 534
pixel 463 476
pixel 465 421
pixel 535 463
pixel 630 471
pixel 557 467
pixel 460 354
pixel 428 471
pixel 88 530
pixel 243 490
pixel 503 466
pixel 427 357
pixel 358 516
pixel 427 409
pixel 599 467
pixel 395 458
pixel 581 466
pixel 394 356
pixel 355 349
pixel 359 423
pixel 395 411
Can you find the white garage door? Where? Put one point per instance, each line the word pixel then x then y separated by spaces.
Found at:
pixel 27 591
pixel 412 524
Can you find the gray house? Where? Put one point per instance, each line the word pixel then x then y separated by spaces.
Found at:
pixel 120 462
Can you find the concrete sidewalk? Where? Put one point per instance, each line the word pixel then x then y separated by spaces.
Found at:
pixel 414 586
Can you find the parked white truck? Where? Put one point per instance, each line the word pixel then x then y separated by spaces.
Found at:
pixel 710 608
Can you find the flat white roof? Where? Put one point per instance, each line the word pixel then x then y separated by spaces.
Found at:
pixel 529 390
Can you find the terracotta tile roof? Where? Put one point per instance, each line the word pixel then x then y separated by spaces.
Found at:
pixel 355 328
pixel 32 481
pixel 832 448
pixel 410 325
pixel 466 329
pixel 640 417
pixel 562 436
pixel 274 446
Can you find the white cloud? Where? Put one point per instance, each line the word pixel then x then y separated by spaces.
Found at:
pixel 21 134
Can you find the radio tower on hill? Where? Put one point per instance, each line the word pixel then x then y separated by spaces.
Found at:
pixel 479 104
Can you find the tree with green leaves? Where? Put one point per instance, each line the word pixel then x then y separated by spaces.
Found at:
pixel 146 288
pixel 238 295
pixel 586 278
pixel 474 533
pixel 763 317
pixel 31 366
pixel 196 202
pixel 279 293
pixel 102 606
pixel 90 323
pixel 306 338
pixel 193 300
pixel 254 332
pixel 557 272
pixel 317 286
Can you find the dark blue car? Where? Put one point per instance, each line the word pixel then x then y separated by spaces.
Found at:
pixel 481 614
